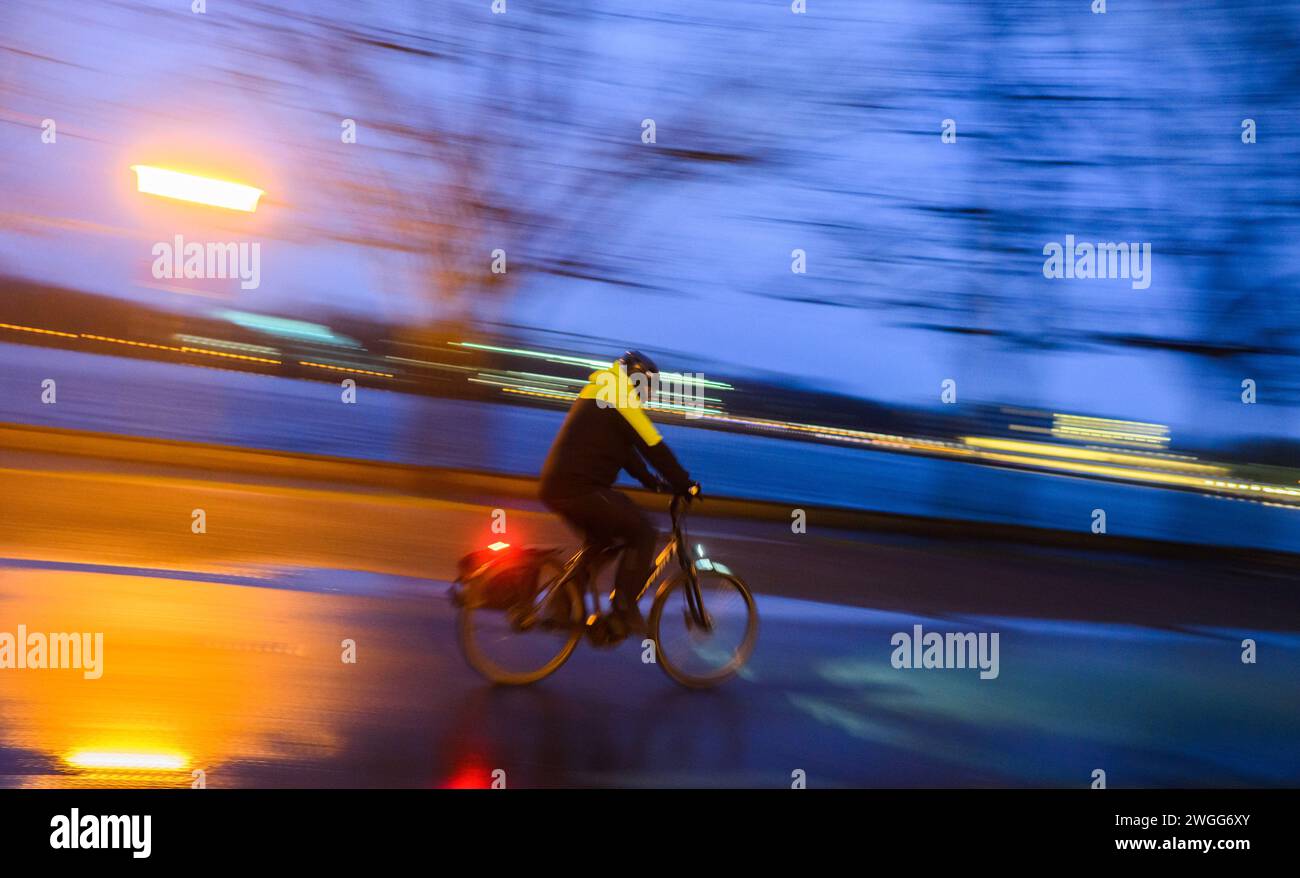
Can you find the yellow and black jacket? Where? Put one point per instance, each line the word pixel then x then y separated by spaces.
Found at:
pixel 606 431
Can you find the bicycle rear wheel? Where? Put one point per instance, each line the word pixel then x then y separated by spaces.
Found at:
pixel 691 654
pixel 498 646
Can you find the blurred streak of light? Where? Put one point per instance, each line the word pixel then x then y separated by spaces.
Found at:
pixel 507 385
pixel 1255 486
pixel 538 376
pixel 181 186
pixel 221 343
pixel 141 761
pixel 550 358
pixel 1084 427
pixel 1092 454
pixel 140 344
pixel 428 364
pixel 971 447
pixel 562 379
pixel 530 391
pixel 676 377
pixel 508 381
pixel 179 350
pixel 1136 475
pixel 1142 426
pixel 539 393
pixel 345 369
pixel 844 434
pixel 670 408
pixel 34 329
pixel 951 449
pixel 1021 453
pixel 283 326
pixel 1108 435
pixel 683 409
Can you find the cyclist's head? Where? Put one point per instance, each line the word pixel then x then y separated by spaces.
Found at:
pixel 636 363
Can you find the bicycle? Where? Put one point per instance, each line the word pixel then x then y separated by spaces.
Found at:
pixel 694 646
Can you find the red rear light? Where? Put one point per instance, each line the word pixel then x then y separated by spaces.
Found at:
pixel 498 546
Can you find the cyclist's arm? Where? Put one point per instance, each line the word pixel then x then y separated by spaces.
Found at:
pixel 637 469
pixel 654 449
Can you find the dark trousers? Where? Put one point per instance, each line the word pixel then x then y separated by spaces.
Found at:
pixel 604 517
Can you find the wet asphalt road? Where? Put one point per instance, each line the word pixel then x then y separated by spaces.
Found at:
pixel 222 653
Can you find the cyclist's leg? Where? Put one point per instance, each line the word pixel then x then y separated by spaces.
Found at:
pixel 582 513
pixel 605 516
pixel 639 536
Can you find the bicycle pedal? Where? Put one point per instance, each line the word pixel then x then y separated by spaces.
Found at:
pixel 599 634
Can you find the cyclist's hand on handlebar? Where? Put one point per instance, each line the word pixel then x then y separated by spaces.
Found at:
pixel 694 492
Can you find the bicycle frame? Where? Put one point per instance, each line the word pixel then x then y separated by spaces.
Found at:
pixel 674 549
pixel 583 563
pixel 694 600
pixel 661 561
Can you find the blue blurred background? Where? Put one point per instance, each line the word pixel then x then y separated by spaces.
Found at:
pixel 523 134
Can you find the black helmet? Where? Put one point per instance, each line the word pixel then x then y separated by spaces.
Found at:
pixel 635 361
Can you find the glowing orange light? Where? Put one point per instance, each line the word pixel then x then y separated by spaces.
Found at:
pixel 498 546
pixel 200 190
pixel 17 328
pixel 345 369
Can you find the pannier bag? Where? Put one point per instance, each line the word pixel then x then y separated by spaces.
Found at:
pixel 498 580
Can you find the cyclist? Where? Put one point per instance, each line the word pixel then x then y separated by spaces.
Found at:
pixel 606 431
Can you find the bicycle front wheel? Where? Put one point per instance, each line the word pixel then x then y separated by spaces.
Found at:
pixel 505 649
pixel 703 655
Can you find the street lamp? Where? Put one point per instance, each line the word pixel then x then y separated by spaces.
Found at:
pixel 200 190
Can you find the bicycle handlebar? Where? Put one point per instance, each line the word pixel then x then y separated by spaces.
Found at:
pixel 680 503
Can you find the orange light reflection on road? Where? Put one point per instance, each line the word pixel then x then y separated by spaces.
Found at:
pixel 127 760
pixel 196 675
